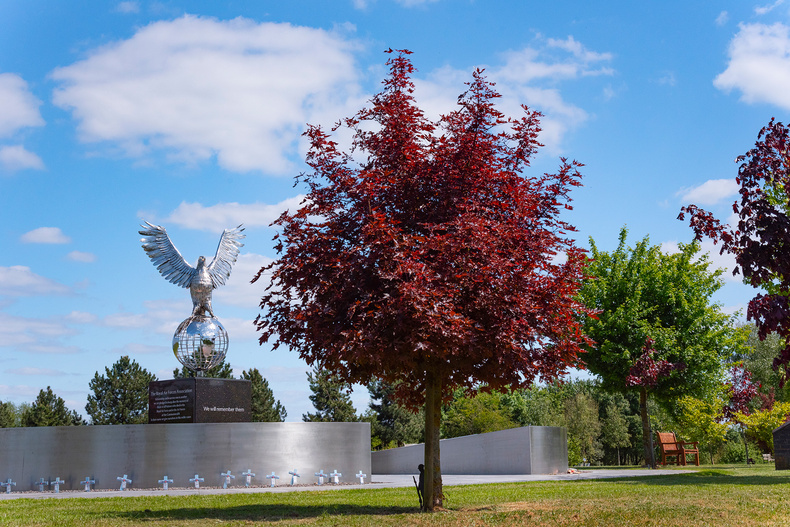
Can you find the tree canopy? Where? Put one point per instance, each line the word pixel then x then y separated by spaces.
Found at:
pixel 50 410
pixel 423 255
pixel 643 295
pixel 330 398
pixel 761 240
pixel 392 423
pixel 120 396
pixel 265 408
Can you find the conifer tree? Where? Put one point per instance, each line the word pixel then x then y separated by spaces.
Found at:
pixel 264 407
pixel 393 423
pixel 330 398
pixel 50 410
pixel 120 396
pixel 222 370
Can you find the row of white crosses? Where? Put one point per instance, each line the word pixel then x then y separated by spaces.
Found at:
pixel 249 474
pixel 55 484
pixel 226 476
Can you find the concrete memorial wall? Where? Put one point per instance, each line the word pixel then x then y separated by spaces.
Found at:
pixel 146 453
pixel 526 450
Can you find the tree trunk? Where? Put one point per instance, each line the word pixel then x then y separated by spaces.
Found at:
pixel 647 435
pixel 433 496
pixel 745 444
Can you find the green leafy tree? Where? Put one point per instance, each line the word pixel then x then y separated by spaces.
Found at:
pixel 120 396
pixel 758 357
pixel 330 398
pixel 392 423
pixel 50 410
pixel 584 426
pixel 537 405
pixel 641 293
pixel 475 413
pixel 702 420
pixel 264 407
pixel 614 427
pixel 761 424
pixel 220 371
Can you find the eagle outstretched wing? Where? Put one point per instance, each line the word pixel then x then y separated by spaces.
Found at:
pixel 165 256
pixel 227 251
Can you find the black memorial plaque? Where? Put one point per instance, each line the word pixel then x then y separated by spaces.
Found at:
pixel 199 400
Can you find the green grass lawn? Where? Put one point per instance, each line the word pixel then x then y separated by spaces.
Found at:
pixel 716 495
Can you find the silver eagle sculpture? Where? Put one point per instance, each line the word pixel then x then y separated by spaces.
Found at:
pixel 201 279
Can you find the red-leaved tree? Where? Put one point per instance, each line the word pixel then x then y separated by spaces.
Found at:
pixel 645 374
pixel 741 390
pixel 423 255
pixel 761 241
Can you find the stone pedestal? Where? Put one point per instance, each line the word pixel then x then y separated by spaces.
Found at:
pixel 199 400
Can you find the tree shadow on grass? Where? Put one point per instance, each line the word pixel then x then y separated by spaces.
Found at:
pixel 262 512
pixel 712 477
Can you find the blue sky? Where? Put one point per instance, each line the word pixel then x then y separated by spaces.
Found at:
pixel 189 115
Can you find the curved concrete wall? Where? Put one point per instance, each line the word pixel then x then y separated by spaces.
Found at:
pixel 146 453
pixel 526 450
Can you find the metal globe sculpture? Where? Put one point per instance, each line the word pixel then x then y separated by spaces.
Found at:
pixel 200 343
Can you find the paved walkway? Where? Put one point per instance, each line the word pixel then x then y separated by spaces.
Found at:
pixel 377 481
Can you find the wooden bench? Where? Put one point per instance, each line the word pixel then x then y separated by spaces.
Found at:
pixel 670 447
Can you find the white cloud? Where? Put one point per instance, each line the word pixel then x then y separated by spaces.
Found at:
pixel 709 193
pixel 238 290
pixel 722 18
pixel 32 334
pixel 668 79
pixel 35 371
pixel 724 261
pixel 45 235
pixel 18 107
pixel 17 157
pixel 80 317
pixel 528 76
pixel 197 87
pixel 142 349
pixel 79 256
pixel 761 10
pixel 759 64
pixel 160 316
pixel 215 218
pixel 580 52
pixel 414 3
pixel 128 7
pixel 20 281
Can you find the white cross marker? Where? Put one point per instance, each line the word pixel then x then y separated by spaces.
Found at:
pixel 294 477
pixel 7 485
pixel 228 476
pixel 272 477
pixel 248 477
pixel 321 476
pixel 41 484
pixel 87 482
pixel 197 479
pixel 58 483
pixel 335 477
pixel 164 481
pixel 361 477
pixel 124 480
